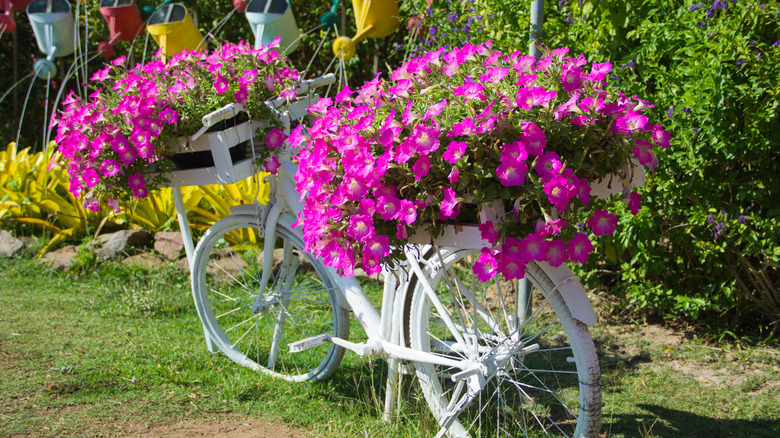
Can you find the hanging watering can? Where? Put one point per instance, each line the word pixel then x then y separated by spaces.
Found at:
pixel 374 19
pixel 7 23
pixel 124 23
pixel 173 29
pixel 271 19
pixel 54 28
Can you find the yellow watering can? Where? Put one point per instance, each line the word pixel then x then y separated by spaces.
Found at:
pixel 173 29
pixel 374 19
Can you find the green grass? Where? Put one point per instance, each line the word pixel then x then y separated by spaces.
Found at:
pixel 118 349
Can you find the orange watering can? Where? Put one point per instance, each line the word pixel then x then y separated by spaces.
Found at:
pixel 124 22
pixel 173 29
pixel 374 19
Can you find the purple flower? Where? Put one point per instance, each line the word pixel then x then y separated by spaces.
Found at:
pixel 740 61
pixel 742 219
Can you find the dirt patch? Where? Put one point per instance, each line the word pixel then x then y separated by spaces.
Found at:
pixel 239 429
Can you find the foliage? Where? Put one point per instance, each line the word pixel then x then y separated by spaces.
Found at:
pixel 475 126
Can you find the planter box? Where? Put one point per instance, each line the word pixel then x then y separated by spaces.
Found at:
pixel 613 184
pixel 218 157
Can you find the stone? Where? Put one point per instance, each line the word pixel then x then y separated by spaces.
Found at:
pixel 145 260
pixel 169 244
pixel 61 258
pixel 9 245
pixel 122 243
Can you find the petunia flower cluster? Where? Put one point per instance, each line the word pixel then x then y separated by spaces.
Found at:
pixel 110 141
pixel 452 132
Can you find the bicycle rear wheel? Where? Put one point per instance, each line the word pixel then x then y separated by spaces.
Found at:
pixel 298 302
pixel 539 375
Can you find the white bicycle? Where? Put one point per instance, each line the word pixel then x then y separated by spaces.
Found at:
pixel 492 358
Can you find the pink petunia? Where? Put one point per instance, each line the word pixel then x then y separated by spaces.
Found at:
pixel 135 181
pixel 90 177
pixel 602 222
pixel 449 204
pixel 377 246
pixel 570 77
pixel 454 151
pixel 408 212
pixel 114 205
pixel 464 127
pixel 646 157
pixel 556 254
pixel 494 74
pixel 549 228
pixel 512 173
pixel 421 167
pixel 425 138
pixel 661 136
pixel 631 122
pixel 532 248
pixel 169 115
pixel 109 168
pixel 275 138
pixel 388 207
pixel 435 110
pixel 488 232
pixel 529 97
pixel 127 156
pixel 579 248
pixel 220 84
pixel 470 91
pixel 241 94
pixel 361 227
pixel 634 203
pixel 485 267
pixel 454 175
pixel 272 165
pixel 510 268
pixel 140 192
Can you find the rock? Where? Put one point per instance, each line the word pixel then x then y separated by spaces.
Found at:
pixel 182 265
pixel 145 260
pixel 121 243
pixel 9 245
pixel 62 258
pixel 169 244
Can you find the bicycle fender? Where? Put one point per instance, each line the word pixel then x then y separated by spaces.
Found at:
pixel 571 291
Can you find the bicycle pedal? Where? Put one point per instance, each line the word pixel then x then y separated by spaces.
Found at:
pixel 308 343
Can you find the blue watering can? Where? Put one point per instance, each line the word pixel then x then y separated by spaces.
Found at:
pixel 270 19
pixel 54 28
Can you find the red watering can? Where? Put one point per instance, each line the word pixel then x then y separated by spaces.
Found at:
pixel 124 23
pixel 7 23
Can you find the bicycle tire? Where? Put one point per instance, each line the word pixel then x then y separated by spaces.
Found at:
pixel 299 301
pixel 540 387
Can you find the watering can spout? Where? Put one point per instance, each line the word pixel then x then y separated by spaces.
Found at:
pixel 373 19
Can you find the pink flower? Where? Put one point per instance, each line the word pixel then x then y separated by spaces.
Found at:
pixel 407 213
pixel 602 222
pixel 241 94
pixel 119 61
pixel 101 75
pixel 275 138
pixel 511 248
pixel 579 248
pixel 388 207
pixel 435 110
pixel 140 192
pixel 377 246
pixel 272 165
pixel 465 127
pixel 454 151
pixel 532 248
pixel 135 181
pixel 494 74
pixel 631 122
pixel 220 84
pixel 354 187
pixel 513 151
pixel 570 77
pixel 485 267
pixel 548 163
pixel 511 268
pixel 449 204
pixel 598 72
pixel 114 205
pixel 529 97
pixel 127 156
pixel 549 228
pixel 511 173
pixel 169 115
pixel 90 177
pixel 634 203
pixel 361 227
pixel 645 156
pixel 401 88
pixel 661 137
pixel 421 167
pixel 454 175
pixel 109 168
pixel 488 232
pixel 425 138
pixel 470 91
pixel 556 254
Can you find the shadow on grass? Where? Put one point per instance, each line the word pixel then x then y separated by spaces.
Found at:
pixel 659 421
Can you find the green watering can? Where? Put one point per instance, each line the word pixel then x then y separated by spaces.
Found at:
pixel 271 19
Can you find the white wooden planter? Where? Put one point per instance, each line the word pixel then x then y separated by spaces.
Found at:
pixel 225 169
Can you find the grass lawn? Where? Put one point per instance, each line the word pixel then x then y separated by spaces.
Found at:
pixel 119 351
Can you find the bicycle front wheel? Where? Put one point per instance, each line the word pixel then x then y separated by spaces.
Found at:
pixel 253 323
pixel 538 369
